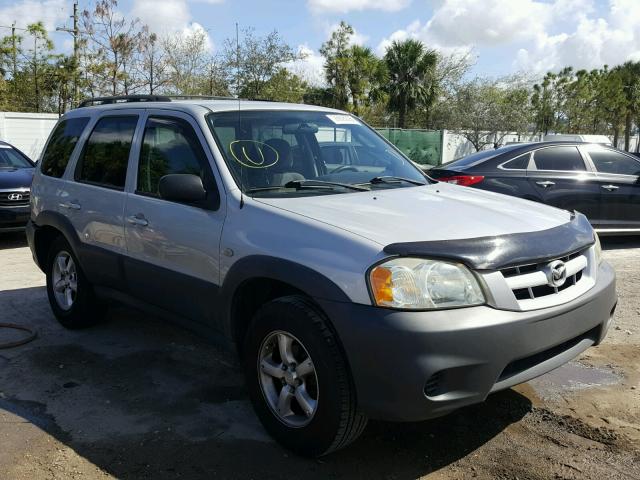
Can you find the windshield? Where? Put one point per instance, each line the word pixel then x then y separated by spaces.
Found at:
pixel 11 158
pixel 293 153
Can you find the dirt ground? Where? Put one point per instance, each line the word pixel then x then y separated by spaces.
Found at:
pixel 138 398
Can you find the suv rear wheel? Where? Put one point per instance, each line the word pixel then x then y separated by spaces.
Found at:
pixel 70 294
pixel 298 378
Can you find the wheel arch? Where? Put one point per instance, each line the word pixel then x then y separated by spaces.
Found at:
pixel 254 280
pixel 48 226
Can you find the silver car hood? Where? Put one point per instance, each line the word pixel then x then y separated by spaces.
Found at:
pixel 427 213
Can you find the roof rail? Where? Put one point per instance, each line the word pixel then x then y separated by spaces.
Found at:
pixel 201 97
pixel 123 99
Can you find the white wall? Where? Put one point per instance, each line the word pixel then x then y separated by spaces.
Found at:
pixel 27 131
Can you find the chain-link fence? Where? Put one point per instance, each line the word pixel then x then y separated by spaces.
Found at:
pixel 421 146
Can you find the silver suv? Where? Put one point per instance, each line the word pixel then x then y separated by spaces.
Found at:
pixel 351 285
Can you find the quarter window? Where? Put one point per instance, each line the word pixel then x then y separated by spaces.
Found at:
pixel 106 154
pixel 61 144
pixel 519 163
pixel 608 161
pixel 565 159
pixel 170 146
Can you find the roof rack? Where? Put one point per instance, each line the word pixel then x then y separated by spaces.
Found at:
pixel 123 99
pixel 155 98
pixel 202 97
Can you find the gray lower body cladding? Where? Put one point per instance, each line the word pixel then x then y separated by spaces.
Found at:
pixel 410 366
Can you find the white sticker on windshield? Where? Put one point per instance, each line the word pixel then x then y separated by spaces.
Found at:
pixel 343 119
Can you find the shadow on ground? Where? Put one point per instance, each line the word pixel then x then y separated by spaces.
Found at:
pixel 140 398
pixel 12 240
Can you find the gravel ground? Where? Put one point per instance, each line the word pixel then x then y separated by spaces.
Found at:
pixel 138 398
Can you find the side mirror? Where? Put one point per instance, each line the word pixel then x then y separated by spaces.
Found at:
pixel 184 188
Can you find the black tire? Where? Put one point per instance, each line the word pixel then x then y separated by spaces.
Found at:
pixel 84 311
pixel 337 421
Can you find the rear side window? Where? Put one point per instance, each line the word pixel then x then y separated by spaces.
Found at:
pixel 170 146
pixel 61 144
pixel 565 159
pixel 106 154
pixel 608 161
pixel 519 163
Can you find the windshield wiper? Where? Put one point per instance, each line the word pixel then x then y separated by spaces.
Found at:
pixel 392 179
pixel 323 183
pixel 299 184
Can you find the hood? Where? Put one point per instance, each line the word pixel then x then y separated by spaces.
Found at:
pixel 433 212
pixel 16 179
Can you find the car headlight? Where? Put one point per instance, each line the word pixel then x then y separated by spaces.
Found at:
pixel 416 283
pixel 597 248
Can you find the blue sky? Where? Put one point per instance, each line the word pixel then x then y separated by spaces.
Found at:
pixel 505 36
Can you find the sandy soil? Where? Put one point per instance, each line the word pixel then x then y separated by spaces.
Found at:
pixel 138 398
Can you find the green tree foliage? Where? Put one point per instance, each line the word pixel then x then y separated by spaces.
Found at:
pixel 411 75
pixel 600 101
pixel 336 64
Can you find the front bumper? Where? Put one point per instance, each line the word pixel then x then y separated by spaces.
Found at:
pixel 13 219
pixel 411 366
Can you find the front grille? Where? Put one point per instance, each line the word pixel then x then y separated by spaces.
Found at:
pixel 530 281
pixel 14 199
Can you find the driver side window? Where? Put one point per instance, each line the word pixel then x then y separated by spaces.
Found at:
pixel 169 146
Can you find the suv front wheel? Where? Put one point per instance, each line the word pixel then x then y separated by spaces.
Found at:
pixel 298 378
pixel 70 293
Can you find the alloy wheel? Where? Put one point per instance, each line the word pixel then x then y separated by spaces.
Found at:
pixel 288 379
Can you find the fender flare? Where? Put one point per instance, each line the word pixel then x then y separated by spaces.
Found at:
pixel 303 278
pixel 60 223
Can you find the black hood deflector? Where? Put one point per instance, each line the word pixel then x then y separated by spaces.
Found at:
pixel 502 251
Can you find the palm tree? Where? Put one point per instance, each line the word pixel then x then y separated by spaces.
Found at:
pixel 411 69
pixel 363 69
pixel 630 74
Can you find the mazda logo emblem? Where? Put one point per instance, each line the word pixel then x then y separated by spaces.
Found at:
pixel 556 273
pixel 14 196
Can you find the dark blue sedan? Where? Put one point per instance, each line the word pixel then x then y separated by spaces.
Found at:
pixel 599 181
pixel 16 173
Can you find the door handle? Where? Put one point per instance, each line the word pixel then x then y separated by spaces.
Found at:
pixel 610 188
pixel 138 220
pixel 70 205
pixel 546 183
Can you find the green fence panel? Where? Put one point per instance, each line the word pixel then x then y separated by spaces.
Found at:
pixel 421 146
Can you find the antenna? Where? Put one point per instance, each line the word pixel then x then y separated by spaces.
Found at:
pixel 239 108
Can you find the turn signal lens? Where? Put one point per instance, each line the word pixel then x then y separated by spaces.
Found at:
pixel 464 180
pixel 381 285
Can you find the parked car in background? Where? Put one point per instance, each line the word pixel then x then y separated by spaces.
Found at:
pixel 570 137
pixel 16 173
pixel 598 181
pixel 351 285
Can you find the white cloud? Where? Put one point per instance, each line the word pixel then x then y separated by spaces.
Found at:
pixel 310 68
pixel 162 17
pixel 52 13
pixel 170 16
pixel 543 35
pixel 344 6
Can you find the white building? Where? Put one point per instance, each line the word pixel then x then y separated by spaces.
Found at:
pixel 27 131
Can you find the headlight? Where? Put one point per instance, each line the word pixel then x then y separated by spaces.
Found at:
pixel 597 248
pixel 416 283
